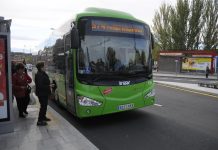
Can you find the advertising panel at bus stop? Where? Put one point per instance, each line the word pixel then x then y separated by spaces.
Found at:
pixel 196 64
pixel 3 82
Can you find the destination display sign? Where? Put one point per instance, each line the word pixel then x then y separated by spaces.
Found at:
pixel 117 27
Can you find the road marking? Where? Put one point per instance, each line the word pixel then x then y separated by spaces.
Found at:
pixel 188 90
pixel 158 105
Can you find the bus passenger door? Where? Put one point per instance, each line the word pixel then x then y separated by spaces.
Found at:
pixel 70 82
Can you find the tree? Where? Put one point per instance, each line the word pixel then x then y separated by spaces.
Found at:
pixel 161 27
pixel 187 24
pixel 195 24
pixel 155 52
pixel 210 28
pixel 179 23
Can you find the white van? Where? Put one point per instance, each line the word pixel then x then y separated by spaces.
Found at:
pixel 29 67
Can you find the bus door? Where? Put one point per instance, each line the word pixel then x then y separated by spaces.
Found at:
pixel 70 82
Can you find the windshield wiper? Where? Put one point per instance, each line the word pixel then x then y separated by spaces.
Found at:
pixel 122 75
pixel 85 79
pixel 100 76
pixel 111 76
pixel 143 74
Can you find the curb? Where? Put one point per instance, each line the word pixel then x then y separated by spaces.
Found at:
pixel 187 89
pixel 209 85
pixel 183 77
pixel 80 141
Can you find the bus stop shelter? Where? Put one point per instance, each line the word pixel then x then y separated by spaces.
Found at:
pixel 187 61
pixel 6 114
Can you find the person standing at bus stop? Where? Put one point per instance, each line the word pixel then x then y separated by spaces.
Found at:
pixel 207 71
pixel 43 92
pixel 20 80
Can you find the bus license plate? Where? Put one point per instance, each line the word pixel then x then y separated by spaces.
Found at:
pixel 126 106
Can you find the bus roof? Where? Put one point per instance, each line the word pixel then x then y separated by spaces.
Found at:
pixel 102 12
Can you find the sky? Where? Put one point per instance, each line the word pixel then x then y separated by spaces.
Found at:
pixel 34 21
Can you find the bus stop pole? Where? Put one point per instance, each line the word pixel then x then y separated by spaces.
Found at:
pixel 176 61
pixel 217 72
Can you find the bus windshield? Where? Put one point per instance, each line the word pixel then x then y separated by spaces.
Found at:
pixel 113 47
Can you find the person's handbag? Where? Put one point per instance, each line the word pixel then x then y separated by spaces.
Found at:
pixel 29 89
pixel 33 98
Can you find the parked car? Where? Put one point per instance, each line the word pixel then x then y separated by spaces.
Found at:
pixel 29 67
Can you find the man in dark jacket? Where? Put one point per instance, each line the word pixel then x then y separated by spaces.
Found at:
pixel 43 92
pixel 207 71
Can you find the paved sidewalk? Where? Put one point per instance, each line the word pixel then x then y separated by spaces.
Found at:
pixel 196 87
pixel 57 135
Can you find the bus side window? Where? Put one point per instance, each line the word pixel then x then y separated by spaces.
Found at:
pixel 70 70
pixel 69 60
pixel 67 42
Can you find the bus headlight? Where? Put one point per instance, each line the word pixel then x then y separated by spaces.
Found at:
pixel 85 101
pixel 150 94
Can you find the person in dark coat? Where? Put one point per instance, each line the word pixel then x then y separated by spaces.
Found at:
pixel 20 80
pixel 207 71
pixel 43 92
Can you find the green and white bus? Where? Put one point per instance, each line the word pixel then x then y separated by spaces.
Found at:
pixel 102 64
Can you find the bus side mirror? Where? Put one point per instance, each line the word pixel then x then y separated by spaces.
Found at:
pixel 152 41
pixel 74 38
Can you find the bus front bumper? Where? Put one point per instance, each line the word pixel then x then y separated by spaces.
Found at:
pixel 113 107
